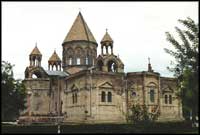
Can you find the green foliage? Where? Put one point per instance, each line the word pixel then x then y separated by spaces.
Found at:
pixel 139 114
pixel 13 93
pixel 185 67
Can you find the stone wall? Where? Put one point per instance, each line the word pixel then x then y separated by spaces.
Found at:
pixel 39 95
pixel 89 106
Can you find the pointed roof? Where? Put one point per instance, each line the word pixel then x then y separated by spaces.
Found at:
pixel 54 57
pixel 79 31
pixel 35 51
pixel 106 38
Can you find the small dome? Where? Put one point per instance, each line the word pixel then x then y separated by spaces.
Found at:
pixel 106 38
pixel 35 51
pixel 54 57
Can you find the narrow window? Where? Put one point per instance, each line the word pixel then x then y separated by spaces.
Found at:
pixel 166 99
pixel 70 61
pixel 86 60
pixel 152 96
pixel 78 61
pixel 76 98
pixel 55 106
pixel 103 96
pixel 109 97
pixel 73 98
pixel 170 99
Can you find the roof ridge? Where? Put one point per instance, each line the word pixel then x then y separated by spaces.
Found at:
pixel 84 26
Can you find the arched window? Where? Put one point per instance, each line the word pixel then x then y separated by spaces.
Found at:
pixel 70 61
pixel 134 94
pixel 166 99
pixel 152 98
pixel 103 96
pixel 109 97
pixel 170 99
pixel 78 61
pixel 112 66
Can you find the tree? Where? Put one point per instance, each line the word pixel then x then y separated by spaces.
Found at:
pixel 13 93
pixel 139 113
pixel 186 63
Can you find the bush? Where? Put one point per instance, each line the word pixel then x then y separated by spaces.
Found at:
pixel 140 114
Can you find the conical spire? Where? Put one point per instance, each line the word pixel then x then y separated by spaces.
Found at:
pixel 106 38
pixel 35 51
pixel 54 57
pixel 79 31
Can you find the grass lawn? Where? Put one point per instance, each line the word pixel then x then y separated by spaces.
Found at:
pixel 170 127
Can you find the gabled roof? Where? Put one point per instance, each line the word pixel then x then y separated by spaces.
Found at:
pixel 79 31
pixel 54 57
pixel 35 51
pixel 106 38
pixel 56 73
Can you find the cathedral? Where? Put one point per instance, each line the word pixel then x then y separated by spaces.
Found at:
pixel 84 87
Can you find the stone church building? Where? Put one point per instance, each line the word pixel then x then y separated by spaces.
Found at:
pixel 89 88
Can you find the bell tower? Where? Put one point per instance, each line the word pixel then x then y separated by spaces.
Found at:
pixel 107 61
pixel 106 43
pixel 54 61
pixel 35 57
pixel 35 70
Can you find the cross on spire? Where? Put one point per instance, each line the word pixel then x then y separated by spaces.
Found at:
pixel 149 60
pixel 79 9
pixel 36 43
pixel 106 30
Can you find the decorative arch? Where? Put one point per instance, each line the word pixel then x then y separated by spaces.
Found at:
pixel 37 73
pixel 88 54
pixel 74 88
pixel 152 84
pixel 78 51
pixel 69 56
pixel 167 89
pixel 69 51
pixel 100 65
pixel 88 51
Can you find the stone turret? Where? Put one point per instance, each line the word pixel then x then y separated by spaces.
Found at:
pixel 35 57
pixel 54 60
pixel 79 47
pixel 106 42
pixel 108 62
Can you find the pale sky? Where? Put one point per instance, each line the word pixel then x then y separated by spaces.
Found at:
pixel 137 28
